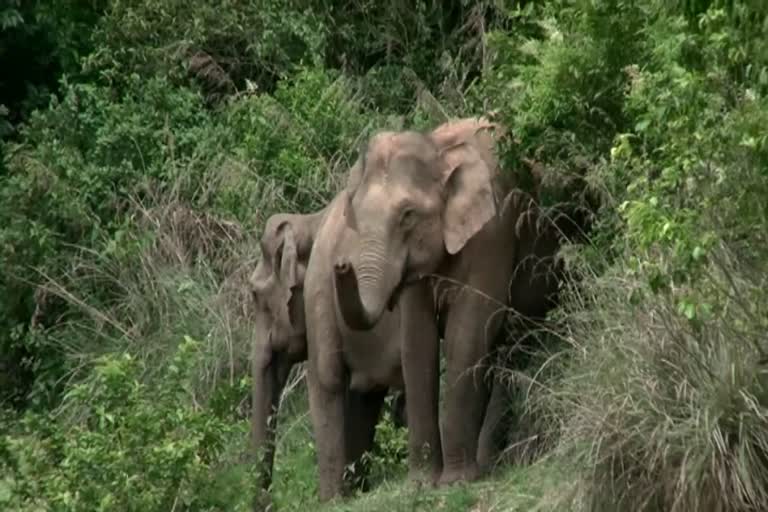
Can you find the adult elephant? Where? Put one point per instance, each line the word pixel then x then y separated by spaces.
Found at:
pixel 345 362
pixel 277 286
pixel 435 205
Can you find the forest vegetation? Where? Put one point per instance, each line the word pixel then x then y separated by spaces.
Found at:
pixel 144 143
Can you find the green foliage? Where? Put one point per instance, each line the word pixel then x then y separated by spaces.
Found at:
pixel 296 138
pixel 696 148
pixel 558 82
pixel 661 400
pixel 388 459
pixel 224 46
pixel 294 485
pixel 122 442
pixel 658 413
pixel 431 39
pixel 70 179
pixel 145 142
pixel 38 41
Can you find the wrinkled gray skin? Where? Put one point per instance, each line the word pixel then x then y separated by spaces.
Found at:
pixel 366 363
pixel 281 339
pixel 435 205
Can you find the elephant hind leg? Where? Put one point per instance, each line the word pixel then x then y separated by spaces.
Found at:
pixel 492 434
pixel 399 413
pixel 473 325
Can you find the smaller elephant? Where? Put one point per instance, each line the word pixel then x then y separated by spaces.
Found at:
pixel 280 337
pixel 277 286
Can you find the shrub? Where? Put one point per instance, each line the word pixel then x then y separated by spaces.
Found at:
pixel 67 185
pixel 39 41
pixel 388 458
pixel 557 82
pixel 299 139
pixel 85 160
pixel 659 413
pixel 220 46
pixel 662 401
pixel 121 442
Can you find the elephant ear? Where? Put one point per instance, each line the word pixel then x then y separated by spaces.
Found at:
pixel 289 274
pixel 287 255
pixel 469 199
pixel 257 281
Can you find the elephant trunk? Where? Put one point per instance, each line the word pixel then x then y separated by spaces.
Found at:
pixel 356 314
pixel 266 390
pixel 363 294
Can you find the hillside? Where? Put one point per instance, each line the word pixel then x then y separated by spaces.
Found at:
pixel 144 144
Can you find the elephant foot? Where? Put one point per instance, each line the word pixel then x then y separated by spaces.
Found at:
pixel 487 463
pixel 470 473
pixel 424 478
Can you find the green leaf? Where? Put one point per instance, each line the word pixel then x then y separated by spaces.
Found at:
pixel 687 309
pixel 6 490
pixel 748 142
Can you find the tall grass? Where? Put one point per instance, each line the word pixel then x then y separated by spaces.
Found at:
pixel 658 412
pixel 175 272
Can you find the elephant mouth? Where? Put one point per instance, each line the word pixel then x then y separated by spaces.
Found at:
pixel 392 302
pixel 405 282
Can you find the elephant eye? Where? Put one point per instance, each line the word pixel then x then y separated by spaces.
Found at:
pixel 408 217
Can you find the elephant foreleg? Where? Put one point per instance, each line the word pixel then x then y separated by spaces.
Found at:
pixel 326 379
pixel 421 371
pixel 269 375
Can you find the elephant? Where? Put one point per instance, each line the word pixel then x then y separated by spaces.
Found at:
pixel 432 210
pixel 277 288
pixel 280 337
pixel 365 362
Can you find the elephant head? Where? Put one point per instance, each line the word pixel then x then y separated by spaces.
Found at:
pixel 280 338
pixel 413 199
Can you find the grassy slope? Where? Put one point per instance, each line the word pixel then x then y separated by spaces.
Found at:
pixel 675 366
pixel 512 489
pixel 508 488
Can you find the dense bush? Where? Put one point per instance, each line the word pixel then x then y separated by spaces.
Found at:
pixel 118 442
pixel 144 144
pixel 662 405
pixel 223 46
pixel 85 161
pixel 39 41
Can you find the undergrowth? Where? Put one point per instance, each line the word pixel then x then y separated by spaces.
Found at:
pixel 145 143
